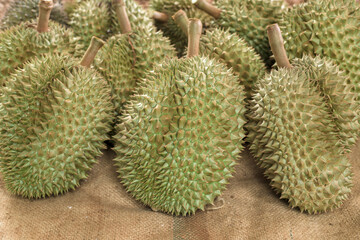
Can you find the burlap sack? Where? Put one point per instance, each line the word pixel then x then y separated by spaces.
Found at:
pixel 101 209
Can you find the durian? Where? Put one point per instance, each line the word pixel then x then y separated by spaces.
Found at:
pixel 20 43
pixel 169 27
pixel 247 18
pixel 56 116
pixel 181 132
pixel 126 57
pixel 303 120
pixel 70 5
pixel 98 18
pixel 294 2
pixel 28 10
pixel 231 50
pixel 328 28
pixel 91 18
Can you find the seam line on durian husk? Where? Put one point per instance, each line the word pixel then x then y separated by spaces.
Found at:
pixel 133 51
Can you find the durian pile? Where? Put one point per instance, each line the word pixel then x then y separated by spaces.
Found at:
pixel 178 90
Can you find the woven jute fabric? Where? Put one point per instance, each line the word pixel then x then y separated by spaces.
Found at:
pixel 101 209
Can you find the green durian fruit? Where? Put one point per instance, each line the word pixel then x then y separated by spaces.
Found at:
pixel 91 18
pixel 303 119
pixel 138 16
pixel 294 2
pixel 181 132
pixel 97 18
pixel 126 58
pixel 231 50
pixel 20 43
pixel 328 28
pixel 28 10
pixel 56 117
pixel 248 19
pixel 168 25
pixel 236 54
pixel 70 5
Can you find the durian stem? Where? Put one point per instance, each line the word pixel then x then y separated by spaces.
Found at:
pixel 207 7
pixel 195 29
pixel 277 46
pixel 45 7
pixel 182 21
pixel 161 17
pixel 89 56
pixel 122 16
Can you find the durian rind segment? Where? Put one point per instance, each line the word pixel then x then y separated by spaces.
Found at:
pixel 249 19
pixel 90 18
pixel 28 10
pixel 180 135
pixel 338 94
pixel 327 28
pixel 138 17
pixel 70 5
pixel 115 62
pixel 98 18
pixel 20 43
pixel 171 29
pixel 56 117
pixel 294 137
pixel 126 58
pixel 236 54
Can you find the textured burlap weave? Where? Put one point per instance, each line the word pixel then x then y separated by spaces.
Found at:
pixel 101 209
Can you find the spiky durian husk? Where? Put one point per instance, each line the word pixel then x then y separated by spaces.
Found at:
pixel 126 58
pixel 2 114
pixel 298 121
pixel 20 43
pixel 138 17
pixel 90 18
pixel 27 10
pixel 180 134
pixel 171 29
pixel 236 54
pixel 115 62
pixel 56 119
pixel 328 28
pixel 98 18
pixel 70 5
pixel 338 94
pixel 249 19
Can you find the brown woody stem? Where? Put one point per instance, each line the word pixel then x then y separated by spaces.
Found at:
pixel 182 21
pixel 207 7
pixel 122 16
pixel 161 17
pixel 195 29
pixel 45 7
pixel 89 56
pixel 277 46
